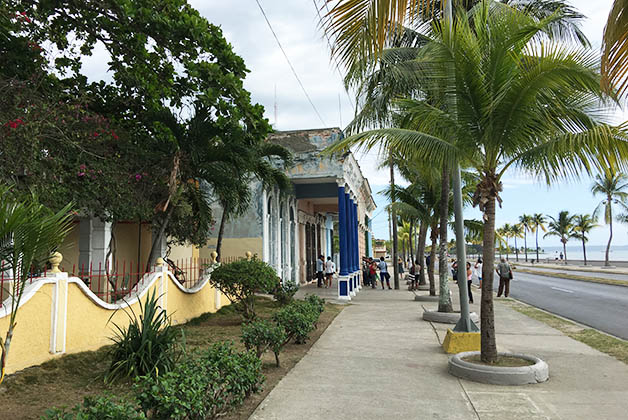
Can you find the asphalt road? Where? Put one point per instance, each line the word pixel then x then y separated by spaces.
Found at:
pixel 601 306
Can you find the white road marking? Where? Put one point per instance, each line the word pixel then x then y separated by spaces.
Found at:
pixel 562 290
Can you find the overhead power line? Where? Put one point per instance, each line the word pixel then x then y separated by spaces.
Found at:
pixel 289 63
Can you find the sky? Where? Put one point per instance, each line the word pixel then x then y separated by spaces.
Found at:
pixel 271 82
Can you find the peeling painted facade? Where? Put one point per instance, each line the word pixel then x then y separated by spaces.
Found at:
pixel 289 230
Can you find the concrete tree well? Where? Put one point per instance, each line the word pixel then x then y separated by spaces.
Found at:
pixel 535 373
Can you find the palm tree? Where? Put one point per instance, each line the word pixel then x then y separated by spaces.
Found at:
pixel 553 137
pixel 538 223
pixel 526 221
pixel 506 232
pixel 614 188
pixel 563 227
pixel 516 231
pixel 615 49
pixel 582 225
pixel 29 234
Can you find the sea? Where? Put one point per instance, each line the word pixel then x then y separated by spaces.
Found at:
pixel 594 252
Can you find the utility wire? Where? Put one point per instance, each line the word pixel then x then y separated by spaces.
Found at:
pixel 320 19
pixel 289 63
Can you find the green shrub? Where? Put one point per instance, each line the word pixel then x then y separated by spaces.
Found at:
pixel 317 303
pixel 148 346
pixel 284 293
pixel 297 319
pixel 101 408
pixel 240 280
pixel 263 335
pixel 206 387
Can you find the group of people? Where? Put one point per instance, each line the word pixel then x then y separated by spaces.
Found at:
pixel 370 267
pixel 325 271
pixel 503 270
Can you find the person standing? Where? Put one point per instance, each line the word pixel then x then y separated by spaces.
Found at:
pixel 478 270
pixel 330 270
pixel 469 281
pixel 505 274
pixel 383 273
pixel 400 266
pixel 373 272
pixel 320 262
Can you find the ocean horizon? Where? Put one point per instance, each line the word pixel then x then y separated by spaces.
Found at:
pixel 574 252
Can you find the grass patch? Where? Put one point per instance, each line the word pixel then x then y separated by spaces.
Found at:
pixel 574 277
pixel 605 343
pixel 66 380
pixel 502 361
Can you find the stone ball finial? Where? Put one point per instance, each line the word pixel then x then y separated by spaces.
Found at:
pixel 159 262
pixel 55 259
pixel 248 254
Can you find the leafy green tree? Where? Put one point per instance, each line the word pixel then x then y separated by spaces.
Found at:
pixel 526 222
pixel 562 227
pixel 555 137
pixel 538 220
pixel 614 188
pixel 582 225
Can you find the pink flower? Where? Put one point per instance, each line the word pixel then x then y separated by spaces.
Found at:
pixel 82 167
pixel 81 174
pixel 138 177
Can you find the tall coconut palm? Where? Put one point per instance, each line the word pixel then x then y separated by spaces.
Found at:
pixel 506 232
pixel 526 221
pixel 614 188
pixel 562 227
pixel 538 223
pixel 516 231
pixel 582 225
pixel 541 99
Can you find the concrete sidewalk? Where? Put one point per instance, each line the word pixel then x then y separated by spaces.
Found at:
pixel 379 360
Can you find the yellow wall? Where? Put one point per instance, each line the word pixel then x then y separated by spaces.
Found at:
pixel 88 325
pixel 126 235
pixel 237 247
pixel 70 249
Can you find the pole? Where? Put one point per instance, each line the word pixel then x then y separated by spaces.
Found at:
pixel 464 324
pixel 393 216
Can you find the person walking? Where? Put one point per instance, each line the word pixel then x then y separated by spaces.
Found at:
pixel 320 263
pixel 505 275
pixel 478 270
pixel 454 269
pixel 469 281
pixel 400 266
pixel 330 270
pixel 373 272
pixel 383 273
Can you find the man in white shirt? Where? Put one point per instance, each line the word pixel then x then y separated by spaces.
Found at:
pixel 330 269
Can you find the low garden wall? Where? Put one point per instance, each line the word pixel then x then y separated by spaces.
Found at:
pixel 60 314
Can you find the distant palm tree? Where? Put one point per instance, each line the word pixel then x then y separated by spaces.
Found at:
pixel 614 187
pixel 538 222
pixel 516 231
pixel 506 232
pixel 526 221
pixel 562 227
pixel 583 224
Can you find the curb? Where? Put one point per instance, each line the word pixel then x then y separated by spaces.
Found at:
pixel 523 375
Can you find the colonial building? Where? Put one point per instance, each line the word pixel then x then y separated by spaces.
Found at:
pixel 327 213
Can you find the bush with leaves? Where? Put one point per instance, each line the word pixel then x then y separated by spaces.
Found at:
pixel 101 408
pixel 297 319
pixel 240 280
pixel 148 346
pixel 284 292
pixel 318 303
pixel 263 335
pixel 205 387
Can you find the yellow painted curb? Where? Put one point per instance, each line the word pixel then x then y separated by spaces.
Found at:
pixel 457 342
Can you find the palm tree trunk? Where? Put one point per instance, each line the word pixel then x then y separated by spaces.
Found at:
pixel 410 247
pixel 221 230
pixel 487 316
pixel 393 216
pixel 565 251
pixel 525 242
pixel 608 246
pixel 516 250
pixel 584 249
pixel 537 243
pixel 420 254
pixel 430 267
pixel 444 301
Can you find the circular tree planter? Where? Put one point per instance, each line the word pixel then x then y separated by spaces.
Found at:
pixel 447 317
pixel 424 287
pixel 425 298
pixel 535 373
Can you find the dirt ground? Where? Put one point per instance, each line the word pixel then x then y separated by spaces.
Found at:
pixel 67 380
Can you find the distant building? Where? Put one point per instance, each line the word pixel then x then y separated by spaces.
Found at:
pixel 380 248
pixel 330 197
